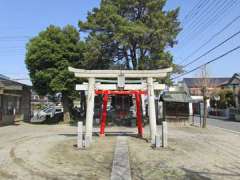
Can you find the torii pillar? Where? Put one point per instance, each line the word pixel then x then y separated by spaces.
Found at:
pixel 90 109
pixel 151 109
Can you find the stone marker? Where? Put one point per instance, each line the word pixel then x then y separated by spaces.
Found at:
pixel 121 166
pixel 164 134
pixel 80 135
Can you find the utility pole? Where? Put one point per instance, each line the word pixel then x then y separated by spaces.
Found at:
pixel 205 97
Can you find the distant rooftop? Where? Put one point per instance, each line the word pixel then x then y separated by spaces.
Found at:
pixel 236 75
pixel 4 77
pixel 6 81
pixel 235 80
pixel 196 82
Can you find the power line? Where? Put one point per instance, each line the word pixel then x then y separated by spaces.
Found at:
pixel 199 19
pixel 212 49
pixel 210 21
pixel 205 11
pixel 195 8
pixel 211 38
pixel 190 12
pixel 211 61
pixel 217 7
pixel 214 19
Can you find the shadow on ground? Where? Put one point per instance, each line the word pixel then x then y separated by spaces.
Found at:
pixel 199 175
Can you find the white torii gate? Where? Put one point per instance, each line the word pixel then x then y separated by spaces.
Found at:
pixel 91 86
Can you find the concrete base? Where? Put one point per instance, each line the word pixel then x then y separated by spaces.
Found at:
pixel 164 134
pixel 157 141
pixel 80 135
pixel 87 141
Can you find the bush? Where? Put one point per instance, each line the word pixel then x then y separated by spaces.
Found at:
pixel 226 99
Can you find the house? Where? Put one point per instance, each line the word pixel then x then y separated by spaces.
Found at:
pixel 37 99
pixel 15 101
pixel 234 84
pixel 195 85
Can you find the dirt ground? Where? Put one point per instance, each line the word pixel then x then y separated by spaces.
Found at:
pixel 42 152
pixel 193 153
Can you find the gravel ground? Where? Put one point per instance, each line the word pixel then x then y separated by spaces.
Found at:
pixel 41 152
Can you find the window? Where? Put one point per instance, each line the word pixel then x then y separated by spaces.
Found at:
pixel 58 110
pixel 9 105
pixel 48 110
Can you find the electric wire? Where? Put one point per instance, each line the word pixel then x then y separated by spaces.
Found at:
pixel 211 38
pixel 208 23
pixel 204 11
pixel 205 64
pixel 191 13
pixel 212 49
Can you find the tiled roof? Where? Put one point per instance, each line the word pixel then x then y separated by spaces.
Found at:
pixel 196 82
pixel 176 97
pixel 234 80
pixel 6 81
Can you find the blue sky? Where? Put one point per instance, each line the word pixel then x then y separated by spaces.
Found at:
pixel 26 18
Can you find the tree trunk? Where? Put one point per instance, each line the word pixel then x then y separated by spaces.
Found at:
pixel 127 59
pixel 205 112
pixel 134 58
pixel 83 103
pixel 66 109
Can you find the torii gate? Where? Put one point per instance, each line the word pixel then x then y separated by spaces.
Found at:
pixel 147 85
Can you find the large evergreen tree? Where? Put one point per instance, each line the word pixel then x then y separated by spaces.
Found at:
pixel 47 59
pixel 133 33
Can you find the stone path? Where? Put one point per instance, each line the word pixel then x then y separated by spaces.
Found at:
pixel 121 167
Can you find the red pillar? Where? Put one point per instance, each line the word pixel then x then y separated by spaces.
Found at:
pixel 139 115
pixel 104 114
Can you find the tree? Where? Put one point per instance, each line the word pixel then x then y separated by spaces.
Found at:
pixel 48 56
pixel 133 33
pixel 205 85
pixel 226 99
